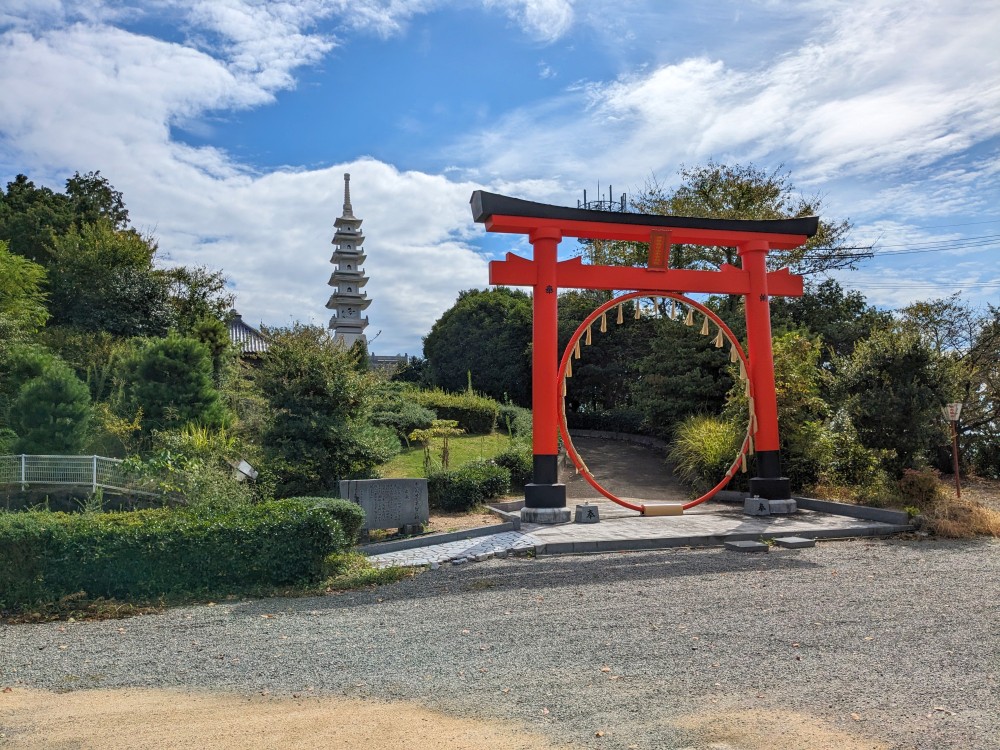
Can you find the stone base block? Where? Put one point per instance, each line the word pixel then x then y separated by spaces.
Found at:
pixel 545 515
pixel 746 546
pixel 794 542
pixel 761 506
pixel 587 514
pixel 783 507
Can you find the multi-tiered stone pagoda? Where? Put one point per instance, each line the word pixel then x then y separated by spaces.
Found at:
pixel 347 300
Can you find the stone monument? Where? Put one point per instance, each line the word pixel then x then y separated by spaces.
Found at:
pixel 389 503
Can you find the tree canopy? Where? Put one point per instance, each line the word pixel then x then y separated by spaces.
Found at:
pixel 103 279
pixel 485 335
pixel 737 191
pixel 170 379
pixel 318 431
pixel 22 299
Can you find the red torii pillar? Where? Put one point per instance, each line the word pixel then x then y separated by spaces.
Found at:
pixel 545 225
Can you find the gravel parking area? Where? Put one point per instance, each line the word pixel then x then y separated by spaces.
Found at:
pixel 867 644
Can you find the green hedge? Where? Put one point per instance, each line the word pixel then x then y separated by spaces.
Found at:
pixel 471 485
pixel 518 461
pixel 349 515
pixel 475 414
pixel 45 556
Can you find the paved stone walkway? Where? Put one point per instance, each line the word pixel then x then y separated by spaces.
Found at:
pixel 713 527
pixel 641 474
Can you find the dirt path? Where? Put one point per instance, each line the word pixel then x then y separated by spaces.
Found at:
pixel 141 719
pixel 628 471
pixel 138 719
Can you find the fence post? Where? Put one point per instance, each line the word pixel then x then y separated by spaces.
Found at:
pixel 94 486
pixel 23 461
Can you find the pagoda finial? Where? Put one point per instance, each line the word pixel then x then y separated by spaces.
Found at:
pixel 348 210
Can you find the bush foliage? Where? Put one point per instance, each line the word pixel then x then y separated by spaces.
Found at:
pixel 148 553
pixel 518 461
pixel 464 488
pixel 703 449
pixel 475 414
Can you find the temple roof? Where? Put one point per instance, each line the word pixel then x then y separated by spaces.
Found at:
pixel 246 337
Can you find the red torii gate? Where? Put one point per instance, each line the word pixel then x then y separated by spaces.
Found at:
pixel 547 225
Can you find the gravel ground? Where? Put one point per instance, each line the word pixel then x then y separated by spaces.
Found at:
pixel 891 643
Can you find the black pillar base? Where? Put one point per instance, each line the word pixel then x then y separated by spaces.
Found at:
pixel 771 488
pixel 545 491
pixel 544 495
pixel 769 483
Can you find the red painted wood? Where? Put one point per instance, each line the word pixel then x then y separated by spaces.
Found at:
pixel 545 344
pixel 574 274
pixel 758 316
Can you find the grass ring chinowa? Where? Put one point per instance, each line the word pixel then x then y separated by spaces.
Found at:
pixel 723 333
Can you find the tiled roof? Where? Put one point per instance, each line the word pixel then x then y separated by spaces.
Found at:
pixel 247 338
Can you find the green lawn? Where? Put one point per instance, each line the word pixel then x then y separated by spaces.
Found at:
pixel 464 448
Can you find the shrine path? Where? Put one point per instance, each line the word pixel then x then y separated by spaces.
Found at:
pixel 625 469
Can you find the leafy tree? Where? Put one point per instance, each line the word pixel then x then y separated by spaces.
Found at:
pixel 682 374
pixel 51 414
pixel 22 301
pixel 214 334
pixel 608 369
pixel 97 357
pixel 31 218
pixel 745 191
pixel 19 364
pixel 971 339
pixel 171 381
pixel 94 199
pixel 103 279
pixel 197 294
pixel 319 430
pixel 486 334
pixel 416 370
pixel 719 191
pixel 840 319
pixel 892 387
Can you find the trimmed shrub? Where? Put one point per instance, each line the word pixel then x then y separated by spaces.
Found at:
pixel 350 516
pixel 464 488
pixel 46 556
pixel 475 414
pixel 404 418
pixel 518 461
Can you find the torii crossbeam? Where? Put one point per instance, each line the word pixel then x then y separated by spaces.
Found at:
pixel 547 225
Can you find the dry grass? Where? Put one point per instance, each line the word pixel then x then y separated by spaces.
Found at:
pixel 976 514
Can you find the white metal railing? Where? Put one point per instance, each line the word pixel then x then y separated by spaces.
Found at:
pixel 81 471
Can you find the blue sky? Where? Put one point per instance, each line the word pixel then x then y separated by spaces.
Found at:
pixel 228 124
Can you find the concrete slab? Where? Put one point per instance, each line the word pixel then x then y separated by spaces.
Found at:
pixel 794 542
pixel 746 546
pixel 714 525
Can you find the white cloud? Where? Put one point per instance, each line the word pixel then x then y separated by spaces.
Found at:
pixel 878 88
pixel 545 20
pixel 97 97
pixel 272 236
pixel 877 94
